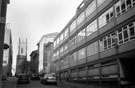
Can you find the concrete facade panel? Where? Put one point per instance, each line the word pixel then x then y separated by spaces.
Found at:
pixel 127 46
pixel 104 5
pixel 91 15
pixel 92 36
pixel 81 43
pixel 81 61
pixel 108 53
pixel 82 73
pixel 93 58
pixel 107 27
pixel 73 64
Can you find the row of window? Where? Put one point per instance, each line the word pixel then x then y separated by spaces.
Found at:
pixel 108 41
pixel 76 22
pixel 120 36
pixel 93 26
pixel 107 71
pixel 123 5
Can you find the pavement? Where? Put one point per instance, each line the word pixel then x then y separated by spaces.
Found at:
pixel 83 85
pixel 10 83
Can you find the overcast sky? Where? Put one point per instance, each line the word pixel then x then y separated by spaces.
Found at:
pixel 32 19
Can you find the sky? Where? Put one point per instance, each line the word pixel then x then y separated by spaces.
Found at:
pixel 32 19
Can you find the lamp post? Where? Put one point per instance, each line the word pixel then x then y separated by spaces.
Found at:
pixel 3 9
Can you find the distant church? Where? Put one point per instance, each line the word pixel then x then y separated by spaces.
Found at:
pixel 21 57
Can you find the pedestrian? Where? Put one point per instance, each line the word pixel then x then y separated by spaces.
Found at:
pixel 60 78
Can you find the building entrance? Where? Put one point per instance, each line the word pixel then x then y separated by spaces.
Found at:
pixel 128 67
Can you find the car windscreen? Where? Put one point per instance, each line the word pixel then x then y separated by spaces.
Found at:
pixel 23 77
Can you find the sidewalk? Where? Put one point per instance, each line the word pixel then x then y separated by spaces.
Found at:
pixel 10 83
pixel 82 85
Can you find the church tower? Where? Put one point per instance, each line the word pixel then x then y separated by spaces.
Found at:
pixel 21 57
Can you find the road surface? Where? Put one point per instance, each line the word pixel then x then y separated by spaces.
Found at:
pixel 37 84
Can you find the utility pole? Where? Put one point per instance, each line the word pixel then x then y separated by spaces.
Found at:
pixel 3 9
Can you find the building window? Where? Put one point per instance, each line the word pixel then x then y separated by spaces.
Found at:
pixel 57 41
pixel 126 33
pixel 65 47
pixel 61 50
pixel 101 45
pixel 21 50
pixel 106 17
pixel 113 39
pixel 129 4
pixel 105 42
pixel 73 41
pixel 92 27
pixel 65 33
pixel 54 44
pixel 57 54
pixel 92 48
pixel 81 35
pixel 80 18
pixel 61 37
pixel 108 41
pixel 90 8
pixel 81 53
pixel 75 56
pixel 99 2
pixel 73 26
pixel 123 5
pixel 118 8
pixel 120 36
pixel 132 30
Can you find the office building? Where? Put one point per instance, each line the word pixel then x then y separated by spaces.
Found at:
pixel 98 43
pixel 7 53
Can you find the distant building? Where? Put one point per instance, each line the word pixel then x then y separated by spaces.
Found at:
pixel 34 62
pixel 42 55
pixel 21 57
pixel 8 53
pixel 48 49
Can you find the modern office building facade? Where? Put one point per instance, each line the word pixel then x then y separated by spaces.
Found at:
pixel 50 68
pixel 98 43
pixel 42 51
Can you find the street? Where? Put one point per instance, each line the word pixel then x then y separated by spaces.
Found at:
pixel 12 83
pixel 37 84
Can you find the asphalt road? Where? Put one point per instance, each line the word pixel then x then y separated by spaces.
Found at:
pixel 37 84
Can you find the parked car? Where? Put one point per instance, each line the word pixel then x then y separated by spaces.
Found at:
pixel 35 77
pixel 23 78
pixel 48 78
pixel 4 78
